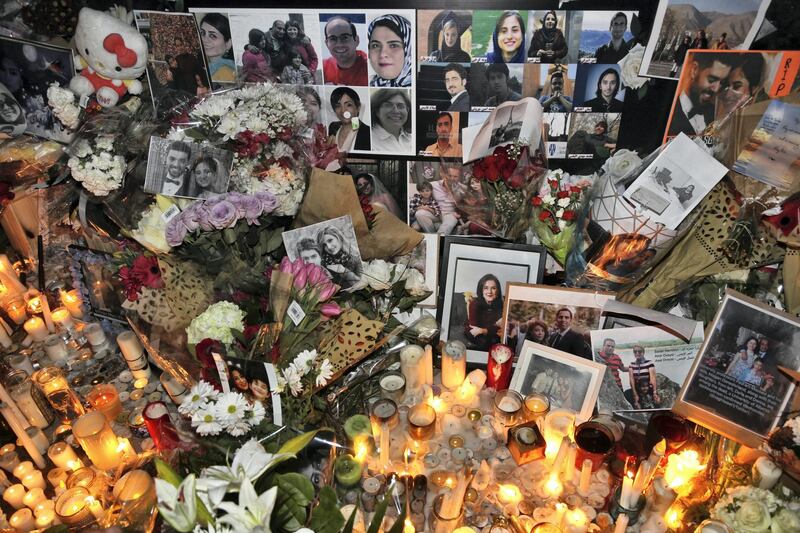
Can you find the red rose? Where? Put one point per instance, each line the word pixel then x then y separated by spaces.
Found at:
pixel 500 151
pixel 553 184
pixel 544 215
pixel 478 172
pixel 536 200
pixel 251 331
pixel 508 167
pixel 568 215
pixel 575 190
pixel 515 181
pixel 562 194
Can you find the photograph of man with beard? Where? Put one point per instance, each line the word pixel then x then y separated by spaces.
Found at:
pixel 347 64
pixel 700 83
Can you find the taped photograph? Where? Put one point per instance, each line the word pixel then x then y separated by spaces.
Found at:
pixel 186 169
pixel 444 36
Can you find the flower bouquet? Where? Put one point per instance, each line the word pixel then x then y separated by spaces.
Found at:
pixel 748 509
pixel 507 178
pixel 137 271
pixel 555 210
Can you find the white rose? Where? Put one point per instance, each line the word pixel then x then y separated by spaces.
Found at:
pixel 623 162
pixel 377 274
pixel 563 202
pixel 548 199
pixel 629 67
pixel 559 213
pixel 415 282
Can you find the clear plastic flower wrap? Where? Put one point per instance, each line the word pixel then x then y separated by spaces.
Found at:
pixel 26 159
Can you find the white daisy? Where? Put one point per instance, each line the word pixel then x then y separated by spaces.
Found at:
pixel 205 422
pixel 238 428
pixel 293 380
pixel 199 396
pixel 325 373
pixel 303 361
pixel 230 407
pixel 256 413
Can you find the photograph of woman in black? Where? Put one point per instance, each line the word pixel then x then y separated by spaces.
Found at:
pixel 484 313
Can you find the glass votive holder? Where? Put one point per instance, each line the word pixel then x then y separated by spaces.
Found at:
pixel 383 413
pixel 595 442
pixel 421 421
pixel 439 523
pixel 53 384
pixel 105 398
pixel 9 461
pixel 508 407
pixel 98 440
pixel 135 492
pixel 545 527
pixel 57 477
pixel 617 509
pixel 63 456
pixel 393 386
pixel 72 508
pixel 90 479
pixel 20 361
pixel 535 406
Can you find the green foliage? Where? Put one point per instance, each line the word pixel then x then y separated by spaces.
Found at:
pixel 295 493
pixel 326 516
pixel 297 444
pixel 169 475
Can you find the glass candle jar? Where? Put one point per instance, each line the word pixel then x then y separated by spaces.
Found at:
pixel 72 301
pixel 536 406
pixel 29 399
pixel 508 407
pixel 393 386
pixel 72 508
pixel 63 456
pixel 19 361
pixel 53 383
pixel 439 520
pixel 421 421
pixel 454 364
pixel 135 492
pixel 98 440
pixel 92 480
pixel 105 398
pixel 16 310
pixel 160 427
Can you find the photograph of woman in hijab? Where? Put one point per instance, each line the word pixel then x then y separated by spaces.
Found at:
pixel 390 50
pixel 508 39
pixel 450 33
pixel 548 43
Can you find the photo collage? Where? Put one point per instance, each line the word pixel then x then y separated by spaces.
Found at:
pixel 353 69
pixel 472 61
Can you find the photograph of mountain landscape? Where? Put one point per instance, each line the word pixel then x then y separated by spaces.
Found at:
pixel 704 22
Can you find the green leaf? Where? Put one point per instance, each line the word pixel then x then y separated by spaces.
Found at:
pixel 348 527
pixel 380 510
pixel 326 516
pixel 275 240
pixel 295 493
pixel 168 474
pixel 296 444
pixel 61 528
pixel 399 524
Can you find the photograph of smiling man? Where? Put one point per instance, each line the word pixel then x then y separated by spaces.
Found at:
pixel 346 61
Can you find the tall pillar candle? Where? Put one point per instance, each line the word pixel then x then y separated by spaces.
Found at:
pixel 98 440
pixel 454 364
pixel 29 399
pixel 36 328
pixel 9 275
pixel 46 314
pixel 411 366
pixel 18 427
pixel 5 339
pixel 427 365
pixel 134 354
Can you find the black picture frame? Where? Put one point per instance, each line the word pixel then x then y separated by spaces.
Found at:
pixel 100 289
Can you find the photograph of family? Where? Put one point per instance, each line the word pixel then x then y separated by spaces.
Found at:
pixel 331 244
pixel 186 169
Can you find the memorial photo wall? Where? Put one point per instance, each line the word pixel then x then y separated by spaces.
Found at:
pixel 353 68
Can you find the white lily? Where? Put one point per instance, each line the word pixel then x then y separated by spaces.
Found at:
pixel 253 511
pixel 178 505
pixel 249 463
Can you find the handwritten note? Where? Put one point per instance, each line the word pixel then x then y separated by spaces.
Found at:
pixel 771 152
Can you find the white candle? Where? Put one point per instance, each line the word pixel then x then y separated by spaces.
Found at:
pixel 48 318
pixel 33 497
pixel 621 524
pixel 23 520
pixel 55 348
pixel 38 437
pixel 41 507
pixel 576 521
pixel 558 463
pixel 411 366
pixel 663 496
pixel 586 477
pixel 626 497
pixel 638 481
pixel 64 456
pixel 454 364
pixel 16 424
pixel 14 495
pixel 23 468
pixel 36 328
pixel 569 462
pixel 384 442
pixel 34 480
pixel 10 278
pixel 20 361
pixel 72 301
pixel 17 311
pixel 45 519
pixel 766 473
pixel 427 366
pixel 95 507
pixel 63 318
pixel 94 334
pixel 5 340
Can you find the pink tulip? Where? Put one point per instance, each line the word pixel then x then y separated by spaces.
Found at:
pixel 317 275
pixel 297 266
pixel 330 309
pixel 300 279
pixel 286 265
pixel 326 291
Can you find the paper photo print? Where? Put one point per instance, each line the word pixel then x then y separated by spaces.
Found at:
pixel 332 245
pixel 506 124
pixel 444 36
pixel 598 89
pixel 215 34
pixel 605 36
pixel 187 169
pixel 499 36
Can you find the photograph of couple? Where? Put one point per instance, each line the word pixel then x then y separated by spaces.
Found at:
pixel 186 169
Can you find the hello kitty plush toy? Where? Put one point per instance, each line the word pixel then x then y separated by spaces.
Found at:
pixel 112 55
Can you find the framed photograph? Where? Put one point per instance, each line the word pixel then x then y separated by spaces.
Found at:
pixel 569 381
pixel 708 24
pixel 93 276
pixel 734 386
pixel 557 317
pixel 473 277
pixel 29 68
pixel 186 169
pixel 426 260
pixel 331 244
pixel 646 366
pixel 675 182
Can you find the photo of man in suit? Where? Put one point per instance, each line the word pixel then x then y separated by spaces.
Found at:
pixel 697 92
pixel 564 339
pixel 455 81
pixel 174 182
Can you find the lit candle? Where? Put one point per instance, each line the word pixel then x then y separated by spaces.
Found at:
pixel 411 366
pixel 72 301
pixel 509 494
pixel 586 477
pixel 536 406
pixel 98 440
pixel 558 462
pixel 33 497
pixel 45 519
pixel 569 462
pixel 34 480
pixel 63 318
pixel 622 524
pixel 36 328
pixel 627 497
pixel 557 424
pixel 576 521
pixel 46 314
pixel 558 516
pixel 136 485
pixel 57 477
pixel 94 507
pixel 421 421
pixel 71 507
pixel 18 423
pixel 553 487
pixel 64 456
pixel 9 275
pixel 15 495
pixel 16 311
pixel 105 398
pixel 454 364
pixel 22 520
pixel 673 517
pixel 681 468
pixel 361 448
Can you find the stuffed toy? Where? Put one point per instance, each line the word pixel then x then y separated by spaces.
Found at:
pixel 112 55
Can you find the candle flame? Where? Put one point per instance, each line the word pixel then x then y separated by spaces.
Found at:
pixel 673 518
pixel 509 494
pixel 361 448
pixel 408 527
pixel 682 468
pixel 437 403
pixel 553 486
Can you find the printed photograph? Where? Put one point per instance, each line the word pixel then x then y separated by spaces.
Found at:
pixel 312 103
pixel 593 135
pixel 675 182
pixel 556 317
pixel 390 45
pixel 382 181
pixel 439 134
pixel 771 152
pixel 392 121
pixel 331 244
pixel 12 117
pixel 569 382
pixel 605 36
pixel 344 56
pixel 499 36
pixel 444 36
pixel 557 130
pixel 557 87
pixel 506 124
pixel 346 110
pixel 702 24
pixel 215 34
pixel 444 87
pixel 546 40
pixel 472 287
pixel 645 366
pixel 495 83
pixel 176 68
pixel 598 89
pixel 272 45
pixel 27 71
pixel 186 169
pixel 735 384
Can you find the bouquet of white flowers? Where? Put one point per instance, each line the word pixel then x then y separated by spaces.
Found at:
pixel 96 163
pixel 749 509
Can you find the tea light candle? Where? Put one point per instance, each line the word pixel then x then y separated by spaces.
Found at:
pixel 507 494
pixel 553 487
pixel 34 480
pixel 64 456
pixel 45 519
pixel 63 318
pixel 36 328
pixel 575 521
pixel 33 497
pixel 72 301
pixel 16 311
pixel 23 468
pixel 104 398
pixel 22 520
pixel 15 495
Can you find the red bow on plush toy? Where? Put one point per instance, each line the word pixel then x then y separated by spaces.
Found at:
pixel 115 44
